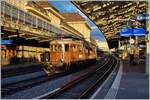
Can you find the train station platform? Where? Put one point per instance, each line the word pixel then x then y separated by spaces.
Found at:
pixel 11 70
pixel 22 65
pixel 131 82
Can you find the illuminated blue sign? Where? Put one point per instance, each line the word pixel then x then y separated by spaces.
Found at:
pixel 133 32
pixel 139 32
pixel 143 16
pixel 126 32
pixel 6 41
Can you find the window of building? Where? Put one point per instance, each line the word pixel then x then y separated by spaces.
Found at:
pixel 59 48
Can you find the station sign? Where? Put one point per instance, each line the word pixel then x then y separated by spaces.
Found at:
pixel 139 32
pixel 126 32
pixel 133 32
pixel 143 16
pixel 5 42
pixel 142 46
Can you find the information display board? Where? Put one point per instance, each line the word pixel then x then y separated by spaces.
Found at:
pixel 139 32
pixel 133 32
pixel 126 32
pixel 6 42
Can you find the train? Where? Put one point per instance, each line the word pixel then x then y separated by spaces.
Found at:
pixel 67 53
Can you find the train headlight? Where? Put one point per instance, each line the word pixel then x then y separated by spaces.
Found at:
pixel 80 56
pixel 62 60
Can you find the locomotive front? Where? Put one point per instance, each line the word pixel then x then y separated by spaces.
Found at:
pixel 55 63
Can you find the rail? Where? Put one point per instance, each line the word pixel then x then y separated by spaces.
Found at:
pixel 12 88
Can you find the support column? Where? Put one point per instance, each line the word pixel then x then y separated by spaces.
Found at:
pixel 148 44
pixel 119 44
pixel 136 48
pixel 148 54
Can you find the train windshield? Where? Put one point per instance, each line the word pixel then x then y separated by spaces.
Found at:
pixel 66 47
pixel 55 48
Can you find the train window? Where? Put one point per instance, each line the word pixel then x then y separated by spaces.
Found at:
pixel 71 46
pixel 55 48
pixel 74 48
pixel 80 48
pixel 42 57
pixel 59 48
pixel 52 48
pixel 47 57
pixel 66 47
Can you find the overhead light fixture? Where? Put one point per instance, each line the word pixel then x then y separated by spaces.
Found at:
pixel 13 36
pixel 43 40
pixel 21 34
pixel 32 38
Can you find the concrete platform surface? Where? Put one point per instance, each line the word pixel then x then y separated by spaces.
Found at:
pixel 131 82
pixel 134 82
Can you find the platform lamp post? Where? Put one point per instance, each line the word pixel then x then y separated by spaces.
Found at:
pixel 131 41
pixel 144 19
pixel 148 47
pixel 129 24
pixel 148 50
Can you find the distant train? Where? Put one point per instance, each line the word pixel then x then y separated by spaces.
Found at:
pixel 67 52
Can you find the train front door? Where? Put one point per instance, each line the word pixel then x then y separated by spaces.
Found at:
pixel 45 57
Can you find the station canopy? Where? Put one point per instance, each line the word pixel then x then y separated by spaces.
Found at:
pixel 112 16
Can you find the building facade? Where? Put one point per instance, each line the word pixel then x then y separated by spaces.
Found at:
pixel 79 23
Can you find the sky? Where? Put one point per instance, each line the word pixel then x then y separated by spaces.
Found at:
pixel 66 6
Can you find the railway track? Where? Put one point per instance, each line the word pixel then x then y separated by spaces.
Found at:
pixel 25 84
pixel 9 72
pixel 9 89
pixel 81 86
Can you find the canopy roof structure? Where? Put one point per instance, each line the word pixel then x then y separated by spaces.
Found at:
pixel 111 16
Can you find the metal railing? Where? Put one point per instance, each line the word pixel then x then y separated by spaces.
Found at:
pixel 20 16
